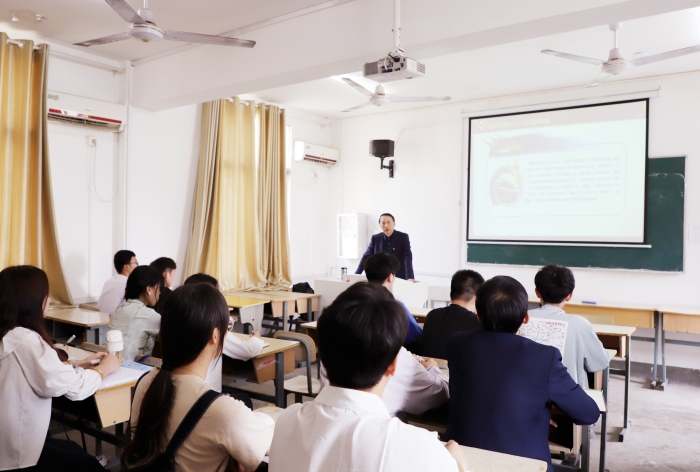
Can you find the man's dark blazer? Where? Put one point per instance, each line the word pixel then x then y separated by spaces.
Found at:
pixel 399 247
pixel 501 389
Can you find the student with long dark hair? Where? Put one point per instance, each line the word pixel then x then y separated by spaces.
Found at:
pixel 167 267
pixel 138 322
pixel 195 319
pixel 32 373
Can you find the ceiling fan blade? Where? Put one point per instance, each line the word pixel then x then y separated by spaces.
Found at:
pixel 357 107
pixel 207 39
pixel 357 87
pixel 105 40
pixel 640 61
pixel 125 11
pixel 602 77
pixel 574 57
pixel 394 98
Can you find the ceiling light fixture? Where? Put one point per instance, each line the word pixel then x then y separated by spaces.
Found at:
pixel 40 17
pixel 14 17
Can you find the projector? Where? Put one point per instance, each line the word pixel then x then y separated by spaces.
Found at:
pixel 395 66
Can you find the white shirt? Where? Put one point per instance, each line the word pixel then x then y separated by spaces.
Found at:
pixel 234 348
pixel 583 351
pixel 112 293
pixel 31 374
pixel 413 388
pixel 346 430
pixel 139 326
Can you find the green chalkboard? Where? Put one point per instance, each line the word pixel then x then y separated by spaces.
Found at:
pixel 664 230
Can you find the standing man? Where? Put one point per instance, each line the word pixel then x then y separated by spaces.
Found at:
pixel 113 290
pixel 391 242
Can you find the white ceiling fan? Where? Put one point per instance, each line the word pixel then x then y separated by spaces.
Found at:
pixel 142 26
pixel 380 98
pixel 616 63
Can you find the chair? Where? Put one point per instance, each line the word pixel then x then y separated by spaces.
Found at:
pixel 306 352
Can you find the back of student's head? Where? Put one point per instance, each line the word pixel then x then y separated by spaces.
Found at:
pixel 360 334
pixel 191 314
pixel 163 263
pixel 201 278
pixel 555 283
pixel 464 285
pixel 379 266
pixel 122 258
pixel 141 278
pixel 501 303
pixel 23 292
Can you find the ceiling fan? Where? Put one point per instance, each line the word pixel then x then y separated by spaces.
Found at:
pixel 616 63
pixel 142 26
pixel 380 98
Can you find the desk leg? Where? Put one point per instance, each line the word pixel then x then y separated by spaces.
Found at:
pixel 657 340
pixel 626 424
pixel 603 438
pixel 280 399
pixel 309 308
pixel 285 316
pixel 585 447
pixel 663 355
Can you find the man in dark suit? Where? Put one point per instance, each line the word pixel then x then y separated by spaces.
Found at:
pixel 391 242
pixel 502 385
pixel 460 315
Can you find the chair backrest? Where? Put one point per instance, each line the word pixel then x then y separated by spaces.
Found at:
pixel 598 319
pixel 307 353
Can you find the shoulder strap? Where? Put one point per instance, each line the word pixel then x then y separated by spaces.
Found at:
pixel 190 421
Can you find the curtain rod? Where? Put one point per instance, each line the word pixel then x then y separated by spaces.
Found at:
pixel 248 102
pixel 20 44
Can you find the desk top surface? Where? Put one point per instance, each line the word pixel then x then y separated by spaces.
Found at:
pixel 612 352
pixel 310 325
pixel 78 316
pixel 122 377
pixel 597 396
pixel 419 311
pixel 274 295
pixel 480 460
pixel 679 310
pixel 614 330
pixel 235 301
pixel 275 345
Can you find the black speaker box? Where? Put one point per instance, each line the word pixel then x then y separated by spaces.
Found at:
pixel 381 148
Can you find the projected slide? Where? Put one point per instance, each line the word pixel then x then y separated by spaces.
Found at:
pixel 566 175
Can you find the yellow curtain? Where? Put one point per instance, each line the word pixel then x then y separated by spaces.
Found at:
pixel 27 227
pixel 272 202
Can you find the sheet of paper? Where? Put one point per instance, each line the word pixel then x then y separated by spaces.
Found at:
pixel 548 332
pixel 120 376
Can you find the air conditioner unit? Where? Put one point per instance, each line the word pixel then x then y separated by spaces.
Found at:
pixel 81 111
pixel 311 152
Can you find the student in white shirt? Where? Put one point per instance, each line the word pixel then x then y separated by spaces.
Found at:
pixel 31 374
pixel 234 347
pixel 195 318
pixel 347 427
pixel 138 322
pixel 113 290
pixel 583 351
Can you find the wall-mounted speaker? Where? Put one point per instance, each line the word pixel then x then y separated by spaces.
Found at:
pixel 381 148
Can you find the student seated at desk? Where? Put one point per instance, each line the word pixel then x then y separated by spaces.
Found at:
pixel 347 427
pixel 381 269
pixel 113 290
pixel 583 351
pixel 195 317
pixel 166 267
pixel 460 315
pixel 234 347
pixel 31 373
pixel 502 385
pixel 138 322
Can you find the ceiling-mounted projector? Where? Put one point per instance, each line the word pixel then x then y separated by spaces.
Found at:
pixel 395 66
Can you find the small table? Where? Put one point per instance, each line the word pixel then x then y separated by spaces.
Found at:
pixel 269 365
pixel 597 396
pixel 61 323
pixel 679 320
pixel 619 338
pixel 312 330
pixel 419 313
pixel 250 310
pixel 280 297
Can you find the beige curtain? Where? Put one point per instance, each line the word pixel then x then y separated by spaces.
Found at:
pixel 233 202
pixel 27 227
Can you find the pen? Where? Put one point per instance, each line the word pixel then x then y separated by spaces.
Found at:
pixel 70 339
pixel 95 361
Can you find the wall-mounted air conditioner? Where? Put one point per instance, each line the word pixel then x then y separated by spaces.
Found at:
pixel 81 111
pixel 311 152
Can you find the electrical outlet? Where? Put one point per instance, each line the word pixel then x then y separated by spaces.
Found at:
pixel 91 141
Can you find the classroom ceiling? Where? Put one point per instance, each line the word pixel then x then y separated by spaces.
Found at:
pixel 72 21
pixel 508 69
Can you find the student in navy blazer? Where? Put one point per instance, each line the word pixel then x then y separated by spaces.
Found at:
pixel 392 242
pixel 502 385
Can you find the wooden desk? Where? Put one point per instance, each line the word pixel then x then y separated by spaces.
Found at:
pixel 599 398
pixel 619 338
pixel 419 313
pixel 480 460
pixel 273 362
pixel 62 323
pixel 250 310
pixel 679 320
pixel 280 302
pixel 312 330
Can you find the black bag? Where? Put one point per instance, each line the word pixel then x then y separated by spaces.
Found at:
pixel 302 287
pixel 166 461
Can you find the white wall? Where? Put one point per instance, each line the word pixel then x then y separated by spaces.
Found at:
pixel 425 195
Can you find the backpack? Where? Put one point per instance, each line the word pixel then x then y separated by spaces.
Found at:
pixel 165 462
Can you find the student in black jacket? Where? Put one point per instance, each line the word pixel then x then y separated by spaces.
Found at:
pixel 460 315
pixel 166 267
